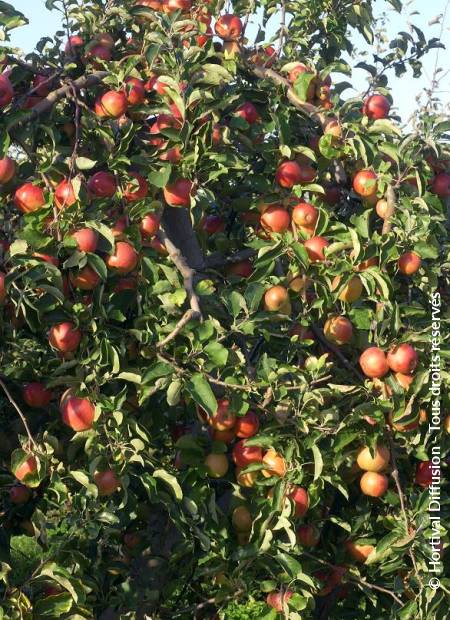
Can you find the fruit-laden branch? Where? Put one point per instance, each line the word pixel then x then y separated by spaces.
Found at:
pixel 333 349
pixel 19 411
pixel 307 108
pixel 56 95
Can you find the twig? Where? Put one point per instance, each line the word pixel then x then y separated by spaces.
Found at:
pixel 19 411
pixel 282 29
pixel 357 580
pixel 218 259
pixel 189 315
pixel 396 477
pixel 328 345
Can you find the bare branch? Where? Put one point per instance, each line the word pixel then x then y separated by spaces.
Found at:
pixel 19 411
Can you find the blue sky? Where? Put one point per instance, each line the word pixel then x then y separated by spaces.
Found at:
pixel 404 90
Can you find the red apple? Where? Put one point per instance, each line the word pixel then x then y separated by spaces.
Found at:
pixel 244 455
pixel 277 600
pixel 178 194
pixel 114 103
pixel 275 219
pixel 85 279
pixel 248 112
pixel 133 193
pixel 228 27
pixel 308 535
pixel 373 363
pixel 150 224
pixel 7 170
pixel 28 467
pixel 402 358
pixel 376 107
pixel 65 194
pixel 135 91
pixel 6 91
pixel 73 44
pixel 338 329
pixel 36 395
pixel 374 484
pixel 441 185
pixel 78 413
pixel 242 269
pixel 65 337
pixel 315 247
pixel 102 185
pixel 247 425
pixel 3 291
pixel 212 224
pixel 409 263
pixel 86 239
pixel 424 474
pixel 107 482
pixel 29 198
pixel 19 494
pixel 124 259
pixel 365 183
pixel 300 497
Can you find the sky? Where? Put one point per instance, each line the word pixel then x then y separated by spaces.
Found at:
pixel 404 90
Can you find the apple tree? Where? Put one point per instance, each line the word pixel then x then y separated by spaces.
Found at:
pixel 221 279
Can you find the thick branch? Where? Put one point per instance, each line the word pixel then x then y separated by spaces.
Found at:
pixel 56 95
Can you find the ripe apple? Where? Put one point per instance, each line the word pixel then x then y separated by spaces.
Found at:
pixel 227 436
pixel 277 600
pixel 365 183
pixel 228 27
pixel 297 70
pixel 338 329
pixel 242 269
pixel 65 194
pixel 288 174
pixel 7 169
pixel 374 484
pixel 73 45
pixel 359 552
pixel 275 219
pixel 247 425
pixel 178 194
pixel 276 299
pixel 124 259
pixel 102 185
pixel 98 52
pixel 223 418
pixel 173 155
pixel 424 474
pixel 378 462
pixel 120 226
pixel 248 112
pixel 86 239
pixel 78 413
pixel 29 198
pixel 373 363
pixel 402 358
pixel 107 482
pixel 308 535
pixel 36 395
pixel 65 337
pixel 150 224
pixel 382 209
pixel 242 519
pixel 114 103
pixel 85 279
pixel 441 185
pixel 131 192
pixel 305 216
pixel 351 291
pixel 27 468
pixel 244 455
pixel 135 91
pixel 300 497
pixel 19 494
pixel 315 248
pixel 376 107
pixel 212 224
pixel 6 91
pixel 409 263
pixel 105 39
pixel 275 463
pixel 217 465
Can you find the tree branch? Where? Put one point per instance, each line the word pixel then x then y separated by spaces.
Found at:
pixel 19 411
pixel 333 349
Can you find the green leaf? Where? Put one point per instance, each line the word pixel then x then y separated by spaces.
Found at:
pixel 171 481
pixel 173 394
pixel 302 84
pixel 318 461
pixel 53 606
pixel 200 390
pixel 217 353
pixel 83 163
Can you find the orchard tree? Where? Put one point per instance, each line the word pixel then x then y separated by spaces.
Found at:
pixel 216 300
